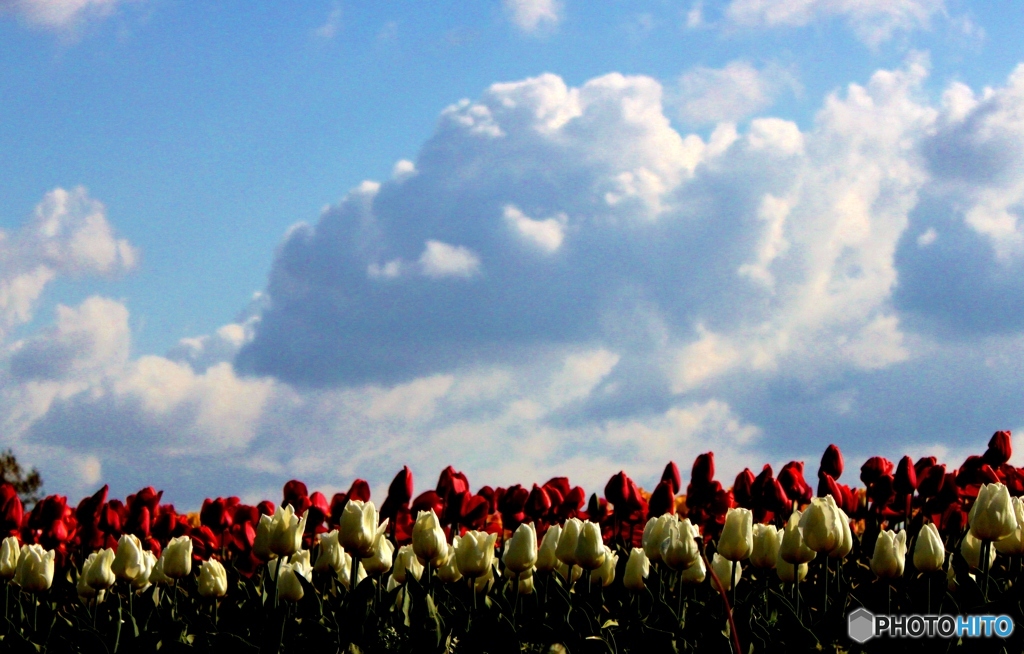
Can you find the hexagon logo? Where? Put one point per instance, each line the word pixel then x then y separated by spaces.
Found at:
pixel 861 625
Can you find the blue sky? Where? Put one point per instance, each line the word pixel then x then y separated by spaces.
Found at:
pixel 526 237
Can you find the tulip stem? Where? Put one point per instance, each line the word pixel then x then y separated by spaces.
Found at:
pixel 732 582
pixel 986 548
pixel 174 602
pixel 825 585
pixel 353 574
pixel 117 635
pixel 796 589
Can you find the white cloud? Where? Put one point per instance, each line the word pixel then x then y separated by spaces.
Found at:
pixel 440 259
pixel 709 95
pixel 874 21
pixel 534 15
pixel 331 26
pixel 59 14
pixel 546 234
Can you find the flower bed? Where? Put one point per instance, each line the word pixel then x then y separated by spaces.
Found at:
pixel 766 565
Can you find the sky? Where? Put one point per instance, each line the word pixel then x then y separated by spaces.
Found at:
pixel 245 243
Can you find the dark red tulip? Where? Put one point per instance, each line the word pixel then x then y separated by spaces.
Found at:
pixel 359 490
pixel 401 487
pixel 882 491
pixel 295 494
pixel 474 512
pixel 930 483
pixel 538 504
pixel 572 504
pixel 266 507
pixel 703 469
pixel 491 496
pixel 11 510
pixel 597 508
pixel 428 501
pixel 451 482
pixel 742 489
pixel 617 489
pixel 831 462
pixel 317 512
pixel 874 468
pixel 922 466
pixel 905 479
pixel 662 500
pixel 216 515
pixel 792 479
pixel 999 449
pixel 561 484
pixel 671 475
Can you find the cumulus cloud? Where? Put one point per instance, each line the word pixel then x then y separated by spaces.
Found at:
pixel 562 275
pixel 68 235
pixel 59 14
pixel 710 95
pixel 874 21
pixel 533 16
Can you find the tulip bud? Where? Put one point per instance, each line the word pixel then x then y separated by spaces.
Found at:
pixel 261 544
pixel 475 554
pixel 679 548
pixel 286 531
pixel 99 575
pixel 141 581
pixel 890 554
pixel 766 546
pixel 521 550
pixel 970 547
pixel 330 555
pixel 694 574
pixel 728 574
pixel 671 475
pixel 905 480
pixel 213 579
pixel 359 529
pixel 35 568
pixel 177 557
pixel 822 524
pixel 546 559
pixel 526 583
pixel 406 563
pixel 85 590
pixel 1013 545
pixel 655 532
pixel 929 553
pixel 606 573
pixel 9 551
pixel 845 546
pixel 448 572
pixel 637 569
pixel 128 560
pixel 793 548
pixel 289 588
pixel 874 468
pixel 742 489
pixel 590 547
pixel 788 573
pixel 428 539
pixel 345 571
pixel 736 540
pixel 380 561
pixel 992 518
pixel 566 548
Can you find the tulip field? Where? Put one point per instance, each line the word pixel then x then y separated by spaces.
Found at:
pixel 766 563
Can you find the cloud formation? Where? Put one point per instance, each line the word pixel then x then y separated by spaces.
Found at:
pixel 711 95
pixel 874 21
pixel 60 15
pixel 533 16
pixel 563 275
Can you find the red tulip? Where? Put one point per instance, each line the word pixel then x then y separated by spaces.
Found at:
pixel 999 449
pixel 671 475
pixel 297 495
pixel 703 469
pixel 874 468
pixel 742 489
pixel 831 462
pixel 662 500
pixel 792 479
pixel 930 482
pixel 11 510
pixel 905 480
pixel 359 490
pixel 538 504
pixel 400 490
pixel 451 482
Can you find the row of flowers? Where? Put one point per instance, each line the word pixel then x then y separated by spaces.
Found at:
pixel 544 537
